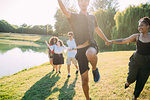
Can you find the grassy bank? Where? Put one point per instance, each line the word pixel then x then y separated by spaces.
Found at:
pixel 27 37
pixel 40 83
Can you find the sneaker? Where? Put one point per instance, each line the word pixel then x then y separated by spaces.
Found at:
pixel 59 72
pixel 68 76
pixel 96 75
pixel 53 70
pixel 77 72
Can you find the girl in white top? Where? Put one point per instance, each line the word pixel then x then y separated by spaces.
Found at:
pixel 58 58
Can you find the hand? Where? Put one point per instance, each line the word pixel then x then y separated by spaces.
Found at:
pixel 69 49
pixel 45 41
pixel 108 42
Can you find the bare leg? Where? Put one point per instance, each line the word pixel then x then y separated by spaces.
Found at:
pixel 57 68
pixel 134 98
pixel 85 85
pixel 68 67
pixel 51 62
pixel 92 57
pixel 76 67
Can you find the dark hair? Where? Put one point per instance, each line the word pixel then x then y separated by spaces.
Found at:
pixel 61 43
pixel 146 20
pixel 51 40
pixel 70 33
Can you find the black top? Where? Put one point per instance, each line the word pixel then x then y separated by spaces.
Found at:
pixel 143 48
pixel 83 27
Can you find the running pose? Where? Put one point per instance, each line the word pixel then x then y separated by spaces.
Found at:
pixel 139 65
pixel 83 26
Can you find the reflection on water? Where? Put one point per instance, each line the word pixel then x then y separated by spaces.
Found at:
pixel 15 60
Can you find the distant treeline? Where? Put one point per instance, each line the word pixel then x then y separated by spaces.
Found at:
pixel 113 23
pixel 24 28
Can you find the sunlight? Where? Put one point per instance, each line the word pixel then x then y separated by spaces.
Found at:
pixel 41 12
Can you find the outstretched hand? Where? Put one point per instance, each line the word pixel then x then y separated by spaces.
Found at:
pixel 108 42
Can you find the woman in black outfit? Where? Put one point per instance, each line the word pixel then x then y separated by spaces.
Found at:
pixel 139 65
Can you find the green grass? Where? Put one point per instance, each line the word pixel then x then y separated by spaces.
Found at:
pixel 39 83
pixel 25 37
pixel 16 37
pixel 22 43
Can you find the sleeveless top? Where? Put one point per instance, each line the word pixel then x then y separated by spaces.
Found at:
pixel 143 48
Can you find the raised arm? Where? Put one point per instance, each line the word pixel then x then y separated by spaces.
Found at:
pixel 50 47
pixel 64 10
pixel 47 44
pixel 129 39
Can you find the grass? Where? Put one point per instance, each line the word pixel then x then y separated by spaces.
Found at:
pixel 14 36
pixel 22 43
pixel 40 83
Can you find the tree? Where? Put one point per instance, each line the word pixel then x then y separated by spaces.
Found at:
pixel 62 25
pixel 105 4
pixel 49 29
pixel 6 27
pixel 105 19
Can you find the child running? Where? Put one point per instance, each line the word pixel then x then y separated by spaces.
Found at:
pixel 139 65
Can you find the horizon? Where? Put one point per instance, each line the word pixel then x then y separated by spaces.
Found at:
pixel 31 12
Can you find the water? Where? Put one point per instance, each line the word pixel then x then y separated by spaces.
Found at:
pixel 16 59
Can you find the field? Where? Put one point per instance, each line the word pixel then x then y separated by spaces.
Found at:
pixel 40 83
pixel 24 39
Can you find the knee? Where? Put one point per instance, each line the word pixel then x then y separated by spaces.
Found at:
pixel 90 54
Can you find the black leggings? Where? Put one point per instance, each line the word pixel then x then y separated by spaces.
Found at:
pixel 142 77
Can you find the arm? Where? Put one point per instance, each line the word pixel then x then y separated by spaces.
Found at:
pixel 50 47
pixel 64 10
pixel 102 35
pixel 129 39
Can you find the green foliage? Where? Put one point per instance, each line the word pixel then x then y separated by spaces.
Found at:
pixel 105 19
pixel 127 23
pixel 24 28
pixel 106 4
pixel 62 25
pixel 6 27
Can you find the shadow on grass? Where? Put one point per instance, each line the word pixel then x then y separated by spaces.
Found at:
pixel 67 92
pixel 42 88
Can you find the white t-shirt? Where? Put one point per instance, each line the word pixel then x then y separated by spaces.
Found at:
pixel 71 44
pixel 57 50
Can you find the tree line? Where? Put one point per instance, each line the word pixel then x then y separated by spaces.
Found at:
pixel 24 28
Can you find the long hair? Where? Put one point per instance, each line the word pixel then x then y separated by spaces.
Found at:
pixel 51 40
pixel 61 43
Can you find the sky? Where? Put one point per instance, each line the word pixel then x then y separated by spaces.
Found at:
pixel 40 12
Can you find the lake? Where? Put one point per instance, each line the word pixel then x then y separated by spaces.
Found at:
pixel 16 57
pixel 15 60
pixel 20 51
